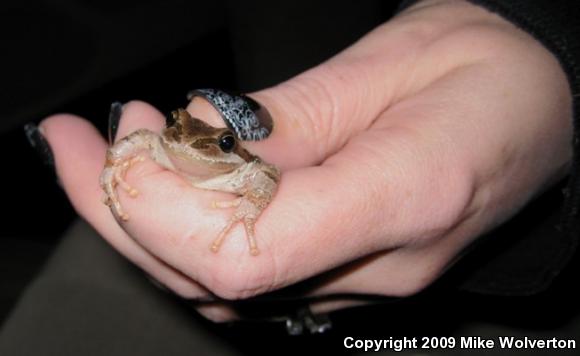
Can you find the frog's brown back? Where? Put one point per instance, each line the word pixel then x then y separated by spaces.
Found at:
pixel 187 128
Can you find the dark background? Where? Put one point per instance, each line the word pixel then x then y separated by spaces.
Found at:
pixel 80 56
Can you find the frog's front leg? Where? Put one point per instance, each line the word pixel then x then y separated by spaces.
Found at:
pixel 120 157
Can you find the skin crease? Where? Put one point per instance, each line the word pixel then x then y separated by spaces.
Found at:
pixel 396 154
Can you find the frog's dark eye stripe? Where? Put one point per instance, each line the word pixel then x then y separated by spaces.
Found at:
pixel 227 142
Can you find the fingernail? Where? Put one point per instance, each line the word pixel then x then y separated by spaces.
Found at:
pixel 263 115
pixel 114 117
pixel 35 137
pixel 250 120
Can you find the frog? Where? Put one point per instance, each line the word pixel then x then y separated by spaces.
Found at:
pixel 207 157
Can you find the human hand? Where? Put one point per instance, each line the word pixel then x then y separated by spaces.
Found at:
pixel 396 154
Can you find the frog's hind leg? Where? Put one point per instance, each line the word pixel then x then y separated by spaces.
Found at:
pixel 249 223
pixel 246 212
pixel 109 184
pixel 215 246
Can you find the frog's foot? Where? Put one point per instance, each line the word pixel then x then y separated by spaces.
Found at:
pixel 248 214
pixel 114 175
pixel 120 175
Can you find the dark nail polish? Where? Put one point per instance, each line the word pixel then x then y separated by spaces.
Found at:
pixel 114 117
pixel 261 112
pixel 39 143
pixel 250 120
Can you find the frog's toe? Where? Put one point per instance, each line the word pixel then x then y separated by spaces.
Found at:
pixel 106 200
pixel 249 225
pixel 215 245
pixel 133 192
pixel 119 171
pixel 226 203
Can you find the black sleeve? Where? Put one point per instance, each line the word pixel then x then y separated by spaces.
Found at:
pixel 543 238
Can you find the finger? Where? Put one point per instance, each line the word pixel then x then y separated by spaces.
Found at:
pixel 79 153
pixel 137 115
pixel 223 311
pixel 397 273
pixel 316 112
pixel 327 306
pixel 218 312
pixel 307 124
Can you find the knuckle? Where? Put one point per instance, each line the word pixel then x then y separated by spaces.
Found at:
pixel 445 203
pixel 233 281
pixel 324 99
pixel 310 98
pixel 456 194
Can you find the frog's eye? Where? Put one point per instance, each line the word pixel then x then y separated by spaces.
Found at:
pixel 227 142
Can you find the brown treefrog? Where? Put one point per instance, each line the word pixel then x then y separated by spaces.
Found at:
pixel 208 157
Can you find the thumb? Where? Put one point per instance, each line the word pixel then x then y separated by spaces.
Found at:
pixel 315 113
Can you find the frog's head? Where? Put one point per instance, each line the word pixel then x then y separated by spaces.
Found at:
pixel 195 140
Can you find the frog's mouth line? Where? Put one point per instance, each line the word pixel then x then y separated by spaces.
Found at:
pixel 200 166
